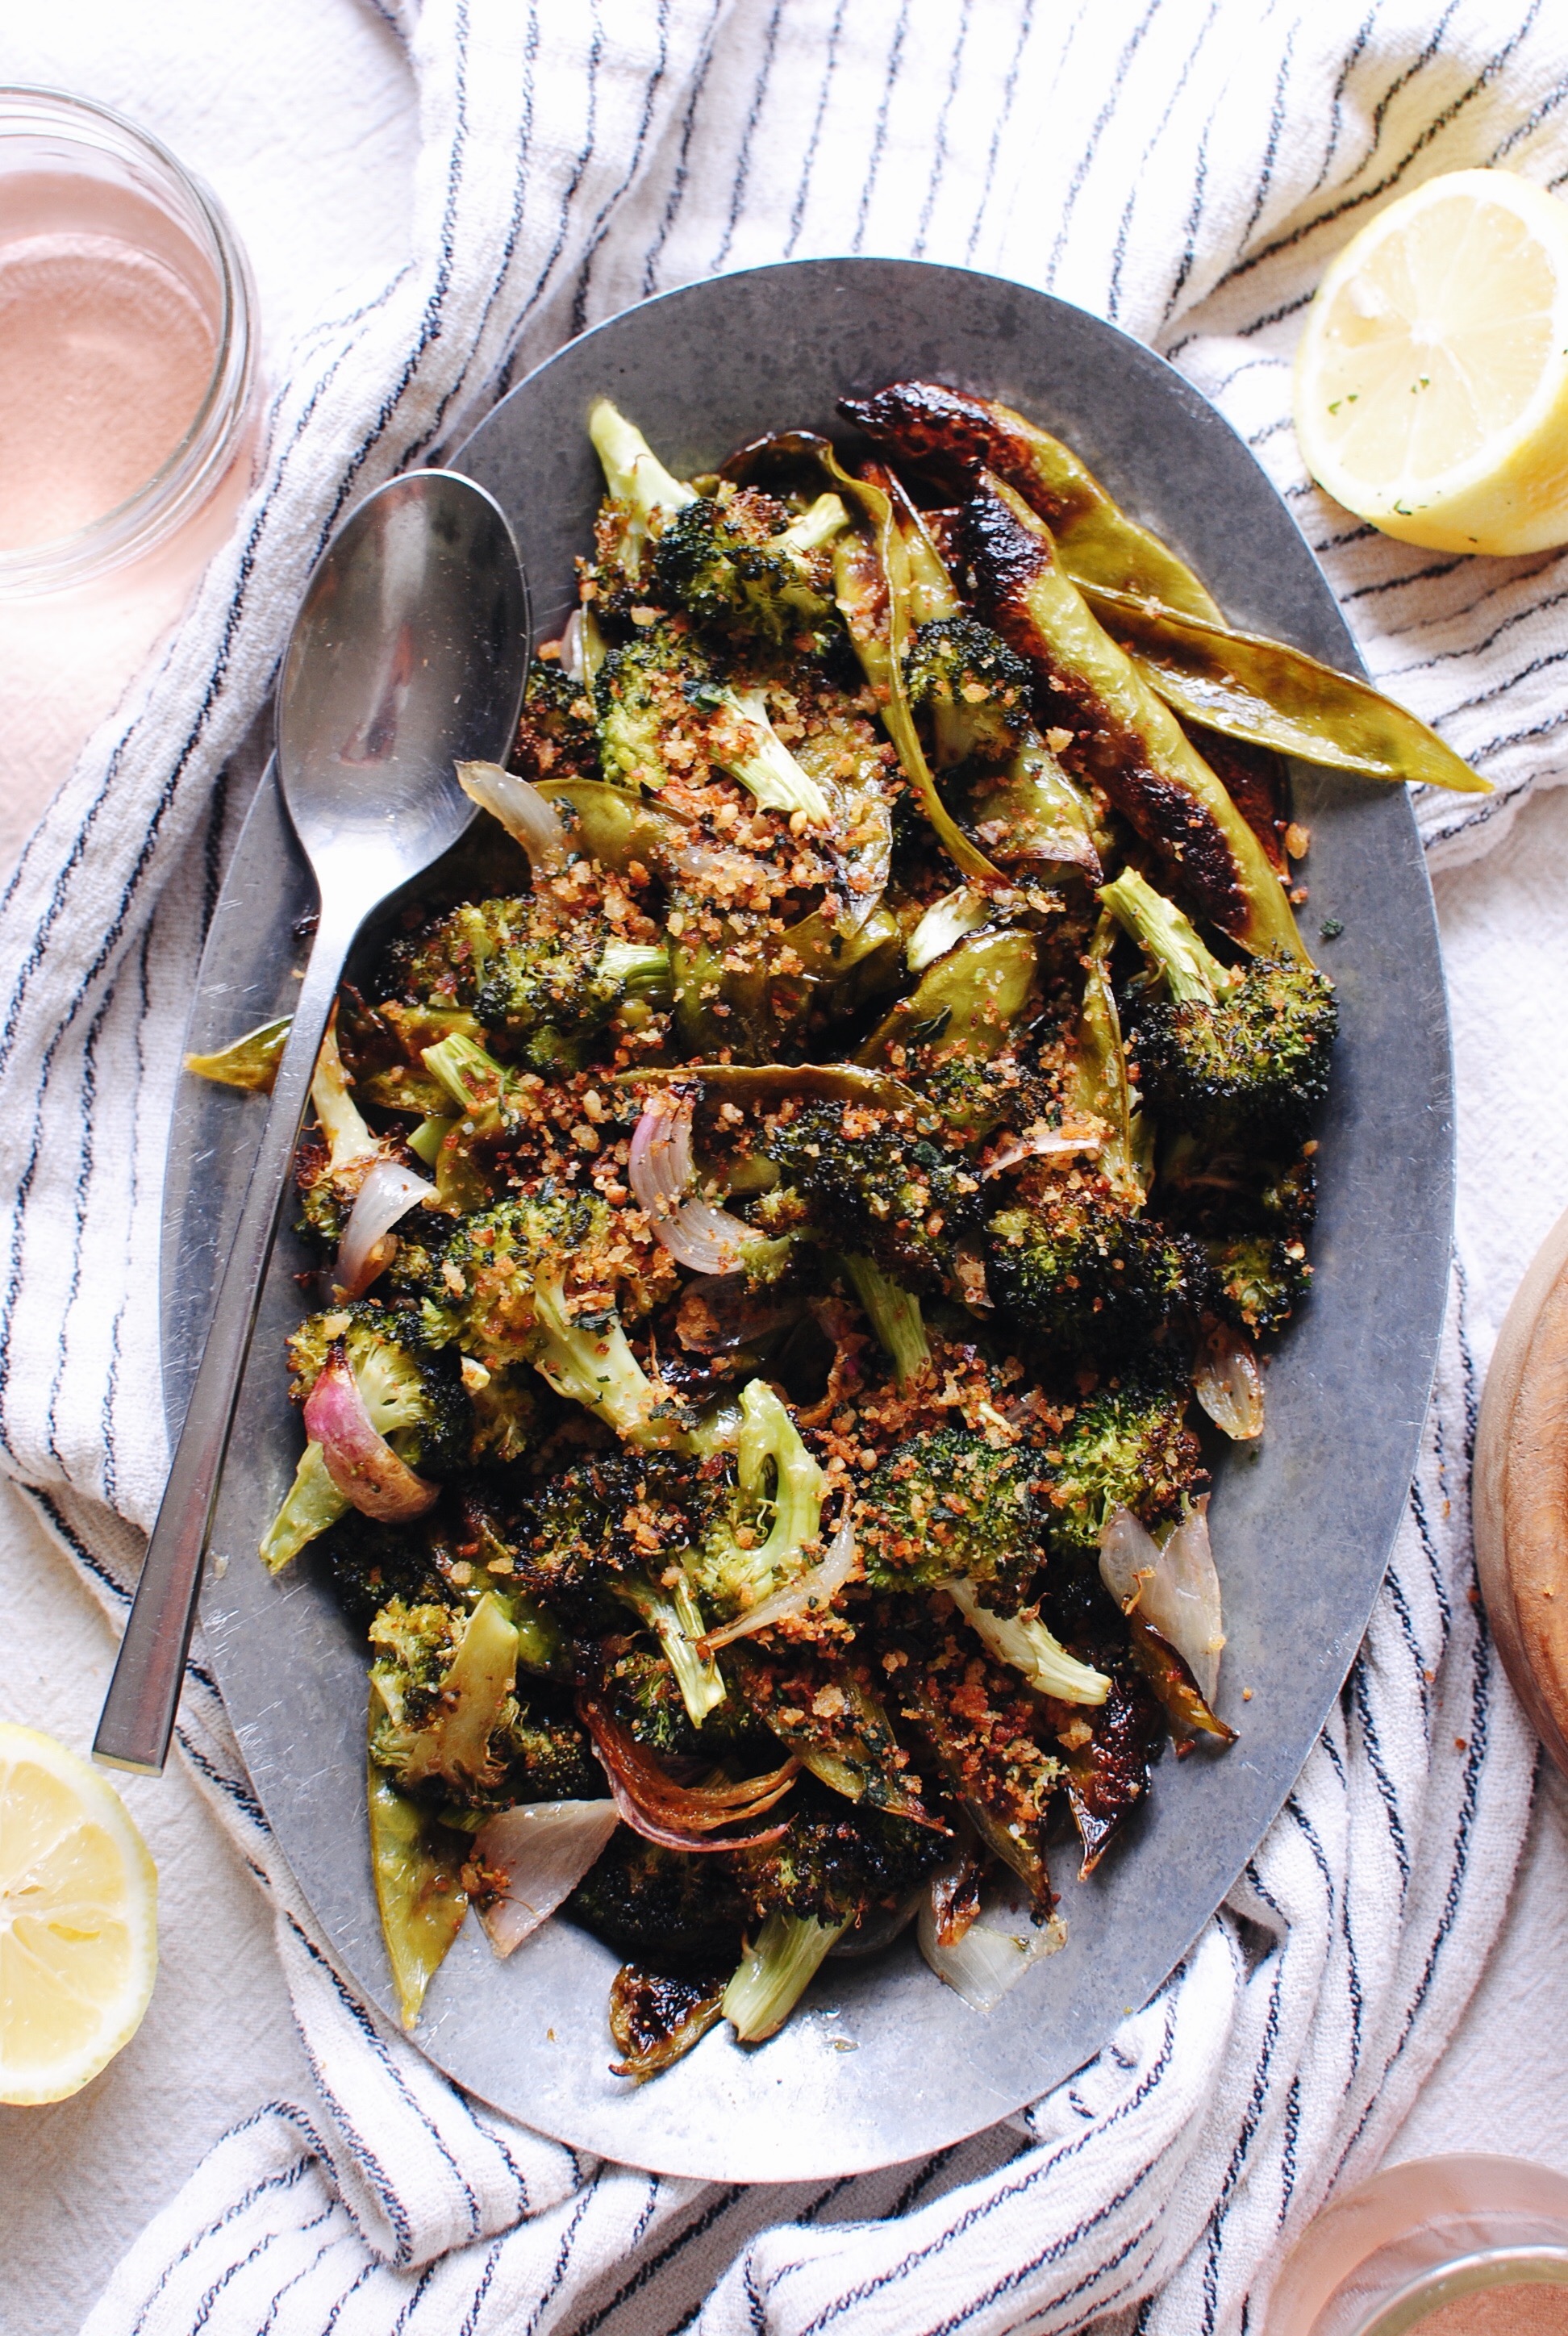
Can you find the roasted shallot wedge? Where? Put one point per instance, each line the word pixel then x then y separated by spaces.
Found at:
pixel 985 1960
pixel 381 1201
pixel 360 1460
pixel 533 1857
pixel 680 1816
pixel 661 1173
pixel 527 818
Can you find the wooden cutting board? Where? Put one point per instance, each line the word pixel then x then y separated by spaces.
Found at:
pixel 1519 1493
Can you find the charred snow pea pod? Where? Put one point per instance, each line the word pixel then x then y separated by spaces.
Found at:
pixel 417 1866
pixel 250 1062
pixel 1130 740
pixel 1108 1776
pixel 969 1002
pixel 874 589
pixel 1268 695
pixel 955 437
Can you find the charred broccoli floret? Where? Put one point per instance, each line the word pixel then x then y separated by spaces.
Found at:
pixel 1231 1051
pixel 879 1189
pixel 535 1281
pixel 834 1863
pixel 945 1504
pixel 1253 1217
pixel 664 711
pixel 523 970
pixel 1127 1446
pixel 660 1903
pixel 555 733
pixel 737 559
pixel 443 1678
pixel 1079 1266
pixel 612 1534
pixel 975 688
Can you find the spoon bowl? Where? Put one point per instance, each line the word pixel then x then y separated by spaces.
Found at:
pixel 407 657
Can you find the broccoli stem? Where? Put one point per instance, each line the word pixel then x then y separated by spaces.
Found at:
pixel 470 1076
pixel 894 1314
pixel 826 518
pixel 635 967
pixel 751 750
pixel 635 477
pixel 1157 925
pixel 426 1139
pixel 1023 1642
pixel 775 1972
pixel 676 1618
pixel 596 1367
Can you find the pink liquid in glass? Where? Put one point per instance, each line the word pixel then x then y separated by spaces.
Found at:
pixel 104 359
pixel 107 342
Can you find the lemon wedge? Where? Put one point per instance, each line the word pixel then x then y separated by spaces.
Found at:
pixel 78 1920
pixel 1432 379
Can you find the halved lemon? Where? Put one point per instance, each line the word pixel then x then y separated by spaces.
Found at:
pixel 78 1920
pixel 1432 378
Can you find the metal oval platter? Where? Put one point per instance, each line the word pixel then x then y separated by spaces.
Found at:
pixel 881 2062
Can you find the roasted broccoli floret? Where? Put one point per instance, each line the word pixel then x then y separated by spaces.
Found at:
pixel 946 1504
pixel 975 688
pixel 368 1563
pixel 443 1678
pixel 1253 1217
pixel 643 497
pixel 878 1188
pixel 1231 1052
pixel 522 969
pixel 664 712
pixel 737 559
pixel 547 1757
pixel 535 1281
pixel 412 1390
pixel 1076 1263
pixel 835 1859
pixel 760 1540
pixel 1127 1446
pixel 613 1533
pixel 555 733
pixel 660 1903
pixel 1258 1279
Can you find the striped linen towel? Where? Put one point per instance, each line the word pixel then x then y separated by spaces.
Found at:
pixel 1186 167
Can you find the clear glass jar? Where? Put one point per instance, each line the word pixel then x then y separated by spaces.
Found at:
pixel 1438 2246
pixel 137 247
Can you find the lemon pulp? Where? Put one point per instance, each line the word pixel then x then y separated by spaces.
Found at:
pixel 78 1920
pixel 1432 379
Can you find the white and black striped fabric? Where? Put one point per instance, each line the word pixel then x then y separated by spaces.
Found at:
pixel 1186 167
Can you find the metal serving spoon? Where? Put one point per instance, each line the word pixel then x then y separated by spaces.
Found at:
pixel 407 655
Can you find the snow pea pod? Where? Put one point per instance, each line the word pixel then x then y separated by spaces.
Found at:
pixel 1270 694
pixel 1127 739
pixel 956 437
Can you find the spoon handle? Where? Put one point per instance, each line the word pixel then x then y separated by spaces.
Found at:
pixel 138 1716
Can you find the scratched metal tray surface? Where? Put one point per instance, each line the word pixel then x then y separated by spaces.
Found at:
pixel 881 2062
